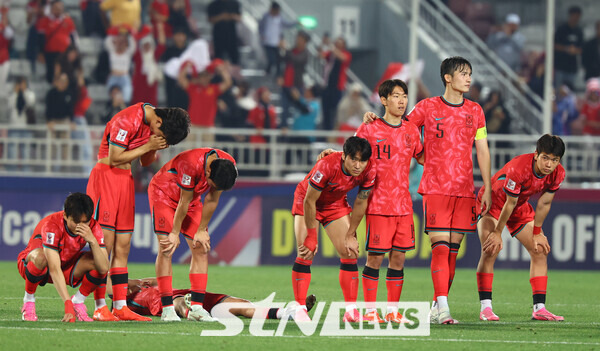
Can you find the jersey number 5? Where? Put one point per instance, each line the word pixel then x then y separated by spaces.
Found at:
pixel 441 131
pixel 386 150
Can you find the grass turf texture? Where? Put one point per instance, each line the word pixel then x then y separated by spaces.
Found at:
pixel 571 294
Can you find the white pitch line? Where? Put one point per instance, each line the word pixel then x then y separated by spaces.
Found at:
pixel 302 336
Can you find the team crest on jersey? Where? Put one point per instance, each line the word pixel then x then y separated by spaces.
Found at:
pixel 317 177
pixel 161 222
pixel 50 238
pixel 510 184
pixel 432 218
pixel 407 141
pixel 121 135
pixel 376 239
pixel 105 216
pixel 186 179
pixel 469 121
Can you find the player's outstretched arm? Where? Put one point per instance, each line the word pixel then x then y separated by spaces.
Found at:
pixel 119 156
pixel 58 279
pixel 483 158
pixel 541 212
pixel 493 244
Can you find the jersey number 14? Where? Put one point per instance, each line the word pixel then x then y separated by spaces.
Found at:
pixel 385 150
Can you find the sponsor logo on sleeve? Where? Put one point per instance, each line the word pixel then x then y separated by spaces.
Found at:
pixel 317 177
pixel 121 135
pixel 186 179
pixel 510 184
pixel 50 238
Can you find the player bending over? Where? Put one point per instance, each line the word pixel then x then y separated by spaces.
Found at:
pixel 54 255
pixel 144 298
pixel 523 176
pixel 321 198
pixel 175 195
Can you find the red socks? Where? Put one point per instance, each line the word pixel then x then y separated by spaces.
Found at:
pixel 198 282
pixel 301 279
pixel 440 270
pixel 118 276
pixel 349 279
pixel 370 280
pixel 484 285
pixel 452 262
pixel 165 288
pixel 33 277
pixel 394 281
pixel 90 281
pixel 538 288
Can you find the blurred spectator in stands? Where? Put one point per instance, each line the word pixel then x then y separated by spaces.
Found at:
pixel 338 60
pixel 508 43
pixel 590 110
pixel 69 62
pixel 537 75
pixel 59 112
pixel 36 9
pixel 147 74
pixel 564 110
pixel 590 57
pixel 270 29
pixel 93 19
pixel 176 96
pixel 115 103
pixel 6 35
pixel 59 33
pixel 202 94
pixel 568 41
pixel 307 119
pixel 21 107
pixel 224 16
pixel 474 93
pixel 159 15
pixel 496 116
pixel 244 101
pixel 263 116
pixel 121 46
pixel 352 107
pixel 180 12
pixel 123 13
pixel 293 75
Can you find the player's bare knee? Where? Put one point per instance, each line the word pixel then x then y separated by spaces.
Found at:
pixel 540 255
pixel 374 260
pixel 38 258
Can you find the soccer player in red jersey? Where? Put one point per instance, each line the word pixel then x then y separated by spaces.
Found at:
pixel 136 132
pixel 54 255
pixel 450 124
pixel 390 226
pixel 144 298
pixel 523 176
pixel 321 197
pixel 175 201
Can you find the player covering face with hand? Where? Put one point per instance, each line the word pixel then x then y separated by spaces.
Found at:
pixel 525 175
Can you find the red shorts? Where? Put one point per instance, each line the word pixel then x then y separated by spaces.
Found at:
pixel 162 219
pixel 385 233
pixel 147 301
pixel 68 271
pixel 324 215
pixel 518 219
pixel 449 214
pixel 113 193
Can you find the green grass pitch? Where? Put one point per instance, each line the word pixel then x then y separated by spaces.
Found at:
pixel 571 294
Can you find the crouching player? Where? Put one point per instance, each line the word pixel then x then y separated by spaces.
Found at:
pixel 175 201
pixel 321 197
pixel 144 298
pixel 54 255
pixel 512 186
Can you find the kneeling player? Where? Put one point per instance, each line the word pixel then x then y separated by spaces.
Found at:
pixel 144 298
pixel 54 255
pixel 512 186
pixel 175 201
pixel 321 197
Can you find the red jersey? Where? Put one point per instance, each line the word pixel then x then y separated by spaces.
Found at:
pixel 127 129
pixel 393 148
pixel 328 176
pixel 518 179
pixel 185 171
pixel 592 114
pixel 52 232
pixel 203 104
pixel 57 32
pixel 448 135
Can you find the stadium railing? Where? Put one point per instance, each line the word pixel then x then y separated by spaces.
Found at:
pixel 35 151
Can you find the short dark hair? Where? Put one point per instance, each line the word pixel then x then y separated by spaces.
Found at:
pixel 175 123
pixel 305 35
pixel 387 87
pixel 574 10
pixel 453 64
pixel 354 145
pixel 275 5
pixel 223 173
pixel 78 205
pixel 551 145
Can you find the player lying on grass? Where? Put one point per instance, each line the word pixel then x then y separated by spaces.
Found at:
pixel 144 298
pixel 526 175
pixel 175 195
pixel 321 198
pixel 54 255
